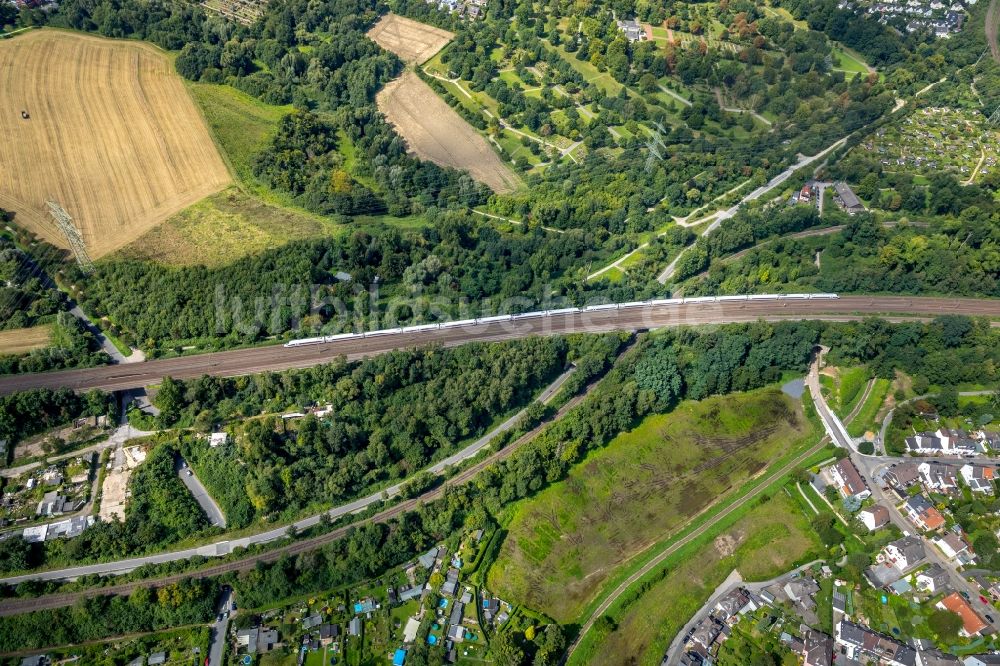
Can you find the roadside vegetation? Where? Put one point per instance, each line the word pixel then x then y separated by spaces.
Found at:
pixel 564 543
pixel 771 537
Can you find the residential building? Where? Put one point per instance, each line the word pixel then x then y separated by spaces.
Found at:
pixel 903 475
pixel 982 660
pixel 633 31
pixel 817 648
pixel 932 579
pixel 157 658
pixel 736 603
pixel 427 559
pixel 874 517
pixel 951 544
pixel 937 658
pixel 862 644
pixel 979 478
pixel 257 640
pixel 53 504
pixel 406 593
pixel 922 513
pixel 972 624
pixel 943 440
pixel 904 553
pixel 705 632
pixel 217 439
pixel 848 480
pixel 938 477
pixel 354 626
pixel 847 200
pixel 328 633
pixel 801 590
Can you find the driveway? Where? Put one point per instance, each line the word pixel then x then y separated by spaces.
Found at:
pixel 217 641
pixel 200 493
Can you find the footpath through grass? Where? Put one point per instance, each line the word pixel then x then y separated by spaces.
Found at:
pixel 565 543
pixel 768 539
pixel 658 604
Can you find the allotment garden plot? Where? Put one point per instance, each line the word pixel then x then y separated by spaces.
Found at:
pixel 111 136
pixel 938 139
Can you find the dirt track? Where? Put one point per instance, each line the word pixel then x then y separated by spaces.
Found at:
pixel 112 137
pixel 435 132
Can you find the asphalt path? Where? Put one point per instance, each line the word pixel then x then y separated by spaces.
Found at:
pixel 17 606
pixel 868 466
pixel 217 641
pixel 200 493
pixel 710 524
pixel 261 359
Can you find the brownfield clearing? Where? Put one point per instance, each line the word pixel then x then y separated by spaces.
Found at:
pixel 435 132
pixel 112 137
pixel 412 41
pixel 21 340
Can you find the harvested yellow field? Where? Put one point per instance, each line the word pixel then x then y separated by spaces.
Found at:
pixel 112 136
pixel 21 340
pixel 435 132
pixel 412 41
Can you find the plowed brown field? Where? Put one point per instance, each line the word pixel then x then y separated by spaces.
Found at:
pixel 435 132
pixel 112 137
pixel 412 41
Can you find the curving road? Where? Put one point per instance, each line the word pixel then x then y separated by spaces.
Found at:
pixel 261 359
pixel 17 606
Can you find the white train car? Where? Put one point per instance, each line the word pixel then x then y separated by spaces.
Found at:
pixel 490 320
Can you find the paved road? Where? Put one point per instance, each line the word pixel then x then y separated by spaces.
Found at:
pixel 228 546
pixel 734 581
pixel 217 641
pixel 121 435
pixel 868 467
pixel 748 497
pixel 17 606
pixel 200 493
pixel 757 193
pixel 261 359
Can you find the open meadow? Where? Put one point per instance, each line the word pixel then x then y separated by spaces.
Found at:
pixel 771 538
pixel 412 41
pixel 112 136
pixel 435 132
pixel 565 542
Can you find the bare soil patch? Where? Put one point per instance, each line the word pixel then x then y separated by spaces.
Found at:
pixel 435 132
pixel 412 41
pixel 113 137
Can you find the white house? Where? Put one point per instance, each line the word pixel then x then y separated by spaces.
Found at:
pixel 979 478
pixel 874 517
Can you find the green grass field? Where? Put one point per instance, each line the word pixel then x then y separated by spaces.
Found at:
pixel 241 125
pixel 224 227
pixel 771 538
pixel 848 61
pixel 851 388
pixel 564 543
pixel 866 418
